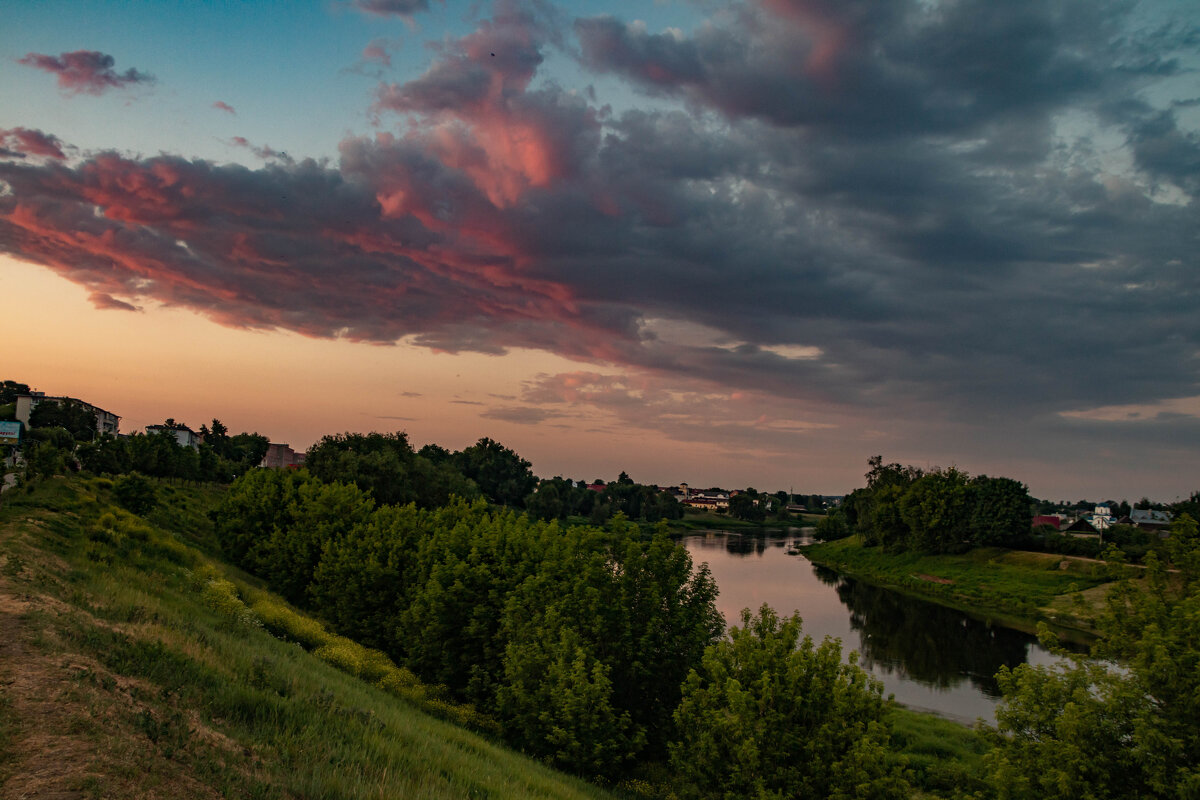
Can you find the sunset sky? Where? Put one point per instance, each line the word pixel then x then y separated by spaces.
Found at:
pixel 734 243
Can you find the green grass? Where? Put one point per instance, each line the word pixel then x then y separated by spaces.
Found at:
pixel 944 757
pixel 1013 585
pixel 173 675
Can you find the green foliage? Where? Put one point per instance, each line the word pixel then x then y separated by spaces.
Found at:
pixel 770 716
pixel 1089 730
pixel 134 493
pixel 1000 510
pixel 577 639
pixel 78 420
pixel 943 758
pixel 502 475
pixel 44 460
pixel 557 702
pixel 638 501
pixel 364 577
pixel 942 511
pixel 937 511
pixel 747 506
pixel 256 505
pixel 317 516
pixel 219 458
pixel 386 466
pixel 9 391
pixel 832 526
pixel 376 463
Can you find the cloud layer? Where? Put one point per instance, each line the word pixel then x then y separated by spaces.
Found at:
pixel 899 209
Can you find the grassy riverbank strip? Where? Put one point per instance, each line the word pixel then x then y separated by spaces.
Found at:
pixel 1017 587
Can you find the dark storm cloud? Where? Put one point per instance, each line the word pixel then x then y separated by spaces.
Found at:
pixel 86 71
pixel 964 211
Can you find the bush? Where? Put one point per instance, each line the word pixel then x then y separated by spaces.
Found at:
pixel 768 715
pixel 135 493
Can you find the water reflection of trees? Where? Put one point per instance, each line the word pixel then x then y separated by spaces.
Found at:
pixel 928 643
pixel 826 575
pixel 745 545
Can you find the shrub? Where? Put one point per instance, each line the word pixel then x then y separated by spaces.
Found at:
pixel 135 493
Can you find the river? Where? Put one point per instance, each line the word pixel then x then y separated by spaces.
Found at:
pixel 931 658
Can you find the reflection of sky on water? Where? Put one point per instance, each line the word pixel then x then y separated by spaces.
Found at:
pixel 927 656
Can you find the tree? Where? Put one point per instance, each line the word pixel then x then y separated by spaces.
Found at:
pixel 937 510
pixel 746 507
pixel 9 391
pixel 377 463
pixel 67 413
pixel 556 700
pixel 545 503
pixel 1000 510
pixel 134 493
pixel 1088 730
pixel 832 526
pixel 770 716
pixel 502 475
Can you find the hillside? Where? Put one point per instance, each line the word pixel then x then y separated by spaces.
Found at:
pixel 134 663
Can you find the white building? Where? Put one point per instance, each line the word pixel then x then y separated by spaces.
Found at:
pixel 184 436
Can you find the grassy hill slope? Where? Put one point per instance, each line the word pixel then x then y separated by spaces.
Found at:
pixel 133 663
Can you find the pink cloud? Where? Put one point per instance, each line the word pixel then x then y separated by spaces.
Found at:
pixel 480 117
pixel 265 152
pixel 377 53
pixel 85 71
pixel 221 105
pixel 827 27
pixel 107 301
pixel 255 249
pixel 27 142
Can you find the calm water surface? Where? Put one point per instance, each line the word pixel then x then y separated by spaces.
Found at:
pixel 930 657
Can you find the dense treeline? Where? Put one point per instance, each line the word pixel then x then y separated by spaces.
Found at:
pixel 559 498
pixel 220 457
pixel 940 511
pixel 1131 540
pixel 62 436
pixel 579 641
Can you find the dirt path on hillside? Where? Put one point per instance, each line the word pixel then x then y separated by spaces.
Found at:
pixel 41 758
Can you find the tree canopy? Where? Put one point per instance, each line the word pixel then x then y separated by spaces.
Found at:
pixel 939 511
pixel 771 715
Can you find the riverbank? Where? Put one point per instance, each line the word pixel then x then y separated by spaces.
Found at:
pixel 1014 587
pixel 705 520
